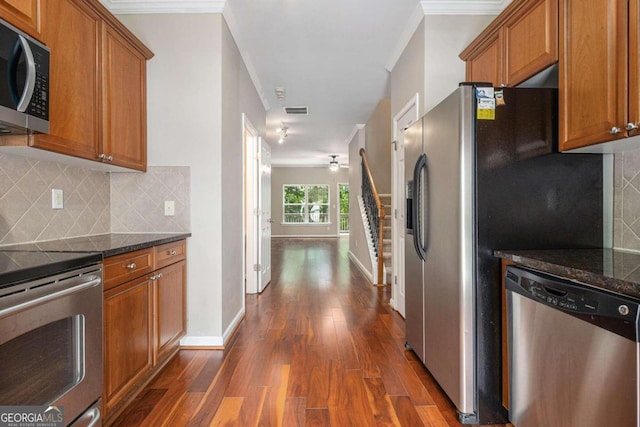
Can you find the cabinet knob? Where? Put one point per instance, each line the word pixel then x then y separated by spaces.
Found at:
pixel 631 126
pixel 615 130
pixel 159 276
pixel 153 277
pixel 109 158
pixel 172 252
pixel 131 266
pixel 102 156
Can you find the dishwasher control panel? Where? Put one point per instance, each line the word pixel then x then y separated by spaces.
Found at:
pixel 599 307
pixel 562 299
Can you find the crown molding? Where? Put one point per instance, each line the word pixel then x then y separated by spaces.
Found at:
pixel 463 7
pixel 125 7
pixel 356 128
pixel 442 7
pixel 410 28
pixel 231 21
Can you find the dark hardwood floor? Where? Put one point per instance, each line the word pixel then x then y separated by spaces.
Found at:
pixel 319 347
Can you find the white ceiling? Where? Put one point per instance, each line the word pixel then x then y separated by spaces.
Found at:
pixel 332 56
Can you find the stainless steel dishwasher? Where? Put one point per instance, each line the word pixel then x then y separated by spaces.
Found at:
pixel 573 353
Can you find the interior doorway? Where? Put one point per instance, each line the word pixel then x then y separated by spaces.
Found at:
pixel 401 122
pixel 257 210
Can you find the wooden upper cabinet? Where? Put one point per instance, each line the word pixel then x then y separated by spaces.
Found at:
pixel 593 71
pixel 124 131
pixel 97 93
pixel 74 108
pixel 530 41
pixel 519 43
pixel 24 14
pixel 485 65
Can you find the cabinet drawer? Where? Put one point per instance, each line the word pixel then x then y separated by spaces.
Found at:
pixel 121 268
pixel 170 252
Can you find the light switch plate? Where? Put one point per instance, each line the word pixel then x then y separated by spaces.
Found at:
pixel 169 208
pixel 57 199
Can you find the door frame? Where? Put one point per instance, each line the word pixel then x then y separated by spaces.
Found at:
pixel 397 199
pixel 250 205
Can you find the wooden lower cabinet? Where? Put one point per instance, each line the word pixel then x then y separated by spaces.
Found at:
pixel 127 338
pixel 169 296
pixel 144 319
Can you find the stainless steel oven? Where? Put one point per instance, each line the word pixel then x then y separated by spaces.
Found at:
pixel 51 343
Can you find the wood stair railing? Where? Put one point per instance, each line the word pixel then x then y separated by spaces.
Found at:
pixel 375 212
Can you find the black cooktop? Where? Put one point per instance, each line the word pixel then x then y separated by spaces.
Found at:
pixel 20 266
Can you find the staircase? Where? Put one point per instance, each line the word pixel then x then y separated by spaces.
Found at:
pixel 387 243
pixel 376 212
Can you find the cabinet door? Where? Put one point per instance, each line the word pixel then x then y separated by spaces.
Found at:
pixel 24 14
pixel 592 71
pixel 127 338
pixel 169 308
pixel 531 41
pixel 486 64
pixel 74 111
pixel 124 102
pixel 634 66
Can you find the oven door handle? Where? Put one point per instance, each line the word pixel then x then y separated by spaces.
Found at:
pixel 95 280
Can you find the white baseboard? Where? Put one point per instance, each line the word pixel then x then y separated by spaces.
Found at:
pixel 202 342
pixel 361 267
pixel 213 342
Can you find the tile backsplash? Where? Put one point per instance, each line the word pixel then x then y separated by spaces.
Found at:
pixel 137 200
pixel 626 209
pixel 25 200
pixel 94 202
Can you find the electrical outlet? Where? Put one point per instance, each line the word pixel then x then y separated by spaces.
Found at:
pixel 169 208
pixel 57 199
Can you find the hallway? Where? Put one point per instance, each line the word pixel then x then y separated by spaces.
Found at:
pixel 320 346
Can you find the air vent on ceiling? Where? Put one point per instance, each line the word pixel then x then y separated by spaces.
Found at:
pixel 296 110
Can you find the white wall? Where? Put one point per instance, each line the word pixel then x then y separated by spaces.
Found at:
pixel 445 36
pixel 408 74
pixel 190 78
pixel 238 96
pixel 429 65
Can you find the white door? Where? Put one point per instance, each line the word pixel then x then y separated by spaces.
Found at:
pixel 251 201
pixel 403 120
pixel 264 235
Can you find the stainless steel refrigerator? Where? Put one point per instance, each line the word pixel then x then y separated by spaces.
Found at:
pixel 487 176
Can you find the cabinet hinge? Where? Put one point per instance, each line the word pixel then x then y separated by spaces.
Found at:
pixel 257 267
pixel 395 280
pixel 395 213
pixel 395 145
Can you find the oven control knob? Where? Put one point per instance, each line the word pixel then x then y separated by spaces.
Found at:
pixel 623 309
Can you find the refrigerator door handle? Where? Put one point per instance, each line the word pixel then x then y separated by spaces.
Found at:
pixel 420 167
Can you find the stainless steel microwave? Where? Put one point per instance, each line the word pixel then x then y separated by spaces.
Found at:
pixel 24 82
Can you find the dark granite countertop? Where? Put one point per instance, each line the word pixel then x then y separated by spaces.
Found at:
pixel 18 266
pixel 106 244
pixel 608 269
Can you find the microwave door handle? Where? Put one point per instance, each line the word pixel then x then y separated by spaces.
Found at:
pixel 31 75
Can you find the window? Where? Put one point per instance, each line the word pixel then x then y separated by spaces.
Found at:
pixel 306 204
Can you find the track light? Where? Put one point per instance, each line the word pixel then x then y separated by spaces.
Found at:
pixel 283 133
pixel 333 164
